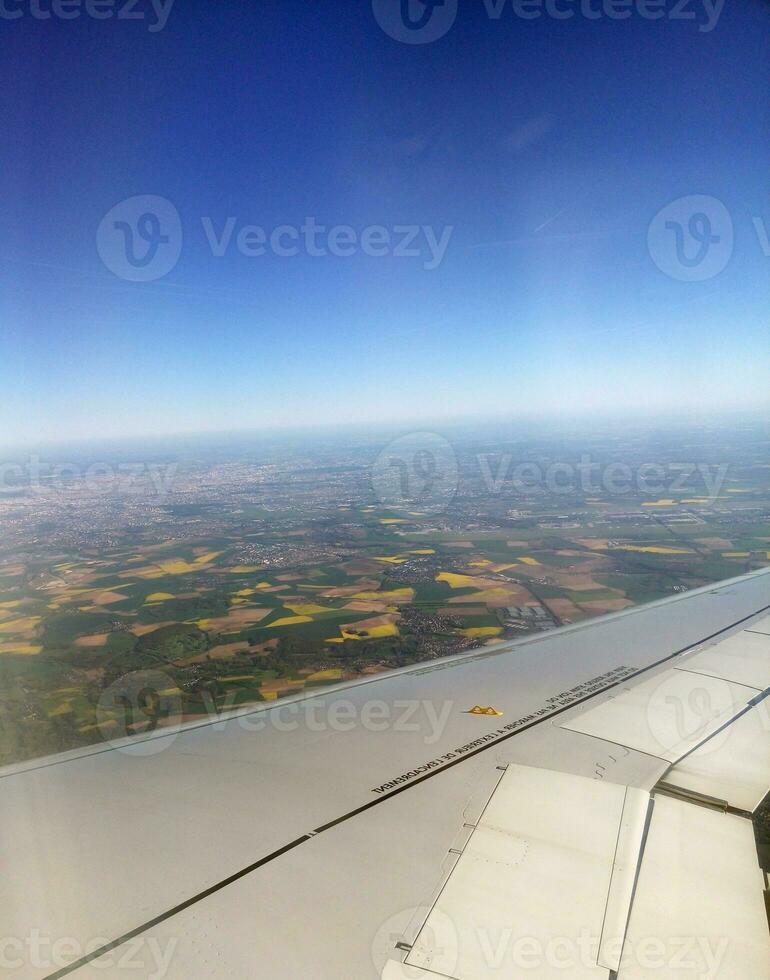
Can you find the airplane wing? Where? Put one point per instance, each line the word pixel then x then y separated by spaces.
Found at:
pixel 574 805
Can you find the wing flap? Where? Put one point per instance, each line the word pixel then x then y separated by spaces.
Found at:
pixel 733 766
pixel 626 864
pixel 743 658
pixel 698 909
pixel 569 876
pixel 551 862
pixel 667 715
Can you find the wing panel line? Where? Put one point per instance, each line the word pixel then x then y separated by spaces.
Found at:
pixel 254 866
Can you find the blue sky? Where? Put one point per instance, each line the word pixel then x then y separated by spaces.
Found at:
pixel 546 147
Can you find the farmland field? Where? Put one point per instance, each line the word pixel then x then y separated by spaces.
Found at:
pixel 253 570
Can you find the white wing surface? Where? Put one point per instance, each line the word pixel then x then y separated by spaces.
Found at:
pixel 591 821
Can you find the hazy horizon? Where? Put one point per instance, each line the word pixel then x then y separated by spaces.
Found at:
pixel 535 424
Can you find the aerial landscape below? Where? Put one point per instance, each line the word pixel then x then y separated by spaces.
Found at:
pixel 217 573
